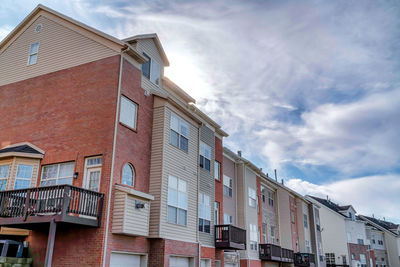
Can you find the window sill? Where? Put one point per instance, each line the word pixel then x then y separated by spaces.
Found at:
pixel 187 152
pixel 177 224
pixel 129 127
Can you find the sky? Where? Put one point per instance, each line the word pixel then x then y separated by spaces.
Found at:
pixel 310 88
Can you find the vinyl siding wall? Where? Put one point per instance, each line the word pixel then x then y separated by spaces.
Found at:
pixel 269 216
pixel 183 166
pixel 230 202
pixel 206 183
pixel 60 47
pixel 284 219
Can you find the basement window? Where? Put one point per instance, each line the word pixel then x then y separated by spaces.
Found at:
pixel 33 53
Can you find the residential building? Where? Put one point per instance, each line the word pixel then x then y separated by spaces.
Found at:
pixel 333 231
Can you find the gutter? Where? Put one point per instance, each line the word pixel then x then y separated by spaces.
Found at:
pixel 113 159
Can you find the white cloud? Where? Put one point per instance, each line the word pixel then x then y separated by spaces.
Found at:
pixel 4 31
pixel 376 195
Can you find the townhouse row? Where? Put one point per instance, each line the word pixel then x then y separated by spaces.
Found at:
pixel 106 162
pixel 356 240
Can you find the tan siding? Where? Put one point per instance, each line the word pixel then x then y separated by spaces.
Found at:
pixel 156 168
pixel 8 162
pixel 183 166
pixel 127 219
pixel 147 46
pixel 14 168
pixel 60 48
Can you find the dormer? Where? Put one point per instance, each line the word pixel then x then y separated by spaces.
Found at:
pixel 349 212
pixel 149 46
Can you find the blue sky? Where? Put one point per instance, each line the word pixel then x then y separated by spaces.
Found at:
pixel 310 88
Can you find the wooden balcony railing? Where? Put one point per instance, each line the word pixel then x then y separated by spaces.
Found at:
pixel 63 203
pixel 304 259
pixel 270 252
pixel 230 237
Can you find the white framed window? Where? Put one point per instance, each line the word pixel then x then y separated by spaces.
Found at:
pixel 179 134
pixel 205 156
pixel 308 248
pixel 227 186
pixel 363 260
pixel 204 213
pixel 216 213
pixel 128 175
pixel 177 201
pixel 33 53
pixel 151 69
pixel 305 220
pixel 128 112
pixel 54 174
pixel 253 236
pixel 360 239
pixel 252 197
pixel 263 198
pixel 330 258
pixel 24 176
pixel 217 170
pixel 348 237
pixel 228 219
pixel 272 232
pixel 4 172
pixel 264 233
pixel 93 173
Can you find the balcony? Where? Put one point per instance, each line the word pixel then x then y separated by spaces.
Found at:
pixel 270 252
pixel 230 237
pixel 304 259
pixel 287 255
pixel 60 203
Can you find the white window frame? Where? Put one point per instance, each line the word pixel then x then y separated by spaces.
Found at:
pixel 205 154
pixel 57 178
pixel 177 129
pixel 124 108
pixel 272 231
pixel 252 194
pixel 217 170
pixel 133 174
pixel 92 168
pixel 228 184
pixel 5 177
pixel 271 196
pixel 264 233
pixel 228 219
pixel 204 212
pixel 154 67
pixel 180 194
pixel 34 54
pixel 253 237
pixel 23 178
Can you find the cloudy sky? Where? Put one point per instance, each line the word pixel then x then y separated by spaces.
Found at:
pixel 310 88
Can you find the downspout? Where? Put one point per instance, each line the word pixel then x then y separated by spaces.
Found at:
pixel 113 160
pixel 197 197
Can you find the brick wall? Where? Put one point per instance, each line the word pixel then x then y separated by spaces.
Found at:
pixel 70 115
pixel 208 253
pixel 162 249
pixel 357 249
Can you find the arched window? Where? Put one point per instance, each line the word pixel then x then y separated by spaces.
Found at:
pixel 128 174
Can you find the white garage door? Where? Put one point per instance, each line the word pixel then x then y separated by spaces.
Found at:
pixel 179 262
pixel 205 263
pixel 124 260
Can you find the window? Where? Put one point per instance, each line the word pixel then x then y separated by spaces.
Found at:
pixel 330 258
pixel 128 175
pixel 177 201
pixel 24 176
pixel 271 196
pixel 33 53
pixel 363 260
pixel 272 231
pixel 380 242
pixel 179 135
pixel 292 219
pixel 308 248
pixel 93 173
pixel 228 219
pixel 263 194
pixel 253 237
pixel 4 170
pixel 204 213
pixel 151 70
pixel 348 237
pixel 128 112
pixel 217 170
pixel 57 174
pixel 252 197
pixel 205 156
pixel 227 186
pixel 353 256
pixel 360 239
pixel 373 241
pixel 344 259
pixel 216 212
pixel 264 230
pixel 305 220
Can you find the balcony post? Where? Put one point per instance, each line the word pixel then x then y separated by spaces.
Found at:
pixel 66 201
pixel 26 208
pixel 50 243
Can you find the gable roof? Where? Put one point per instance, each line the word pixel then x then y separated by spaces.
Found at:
pixel 25 149
pixel 109 41
pixel 389 226
pixel 333 206
pixel 156 40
